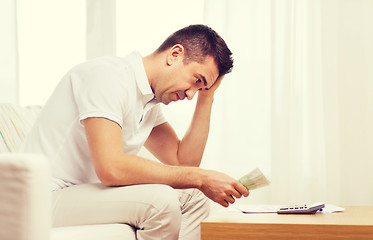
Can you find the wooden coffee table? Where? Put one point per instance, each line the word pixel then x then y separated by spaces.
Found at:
pixel 355 223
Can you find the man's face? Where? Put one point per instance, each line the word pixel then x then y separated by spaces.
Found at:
pixel 184 80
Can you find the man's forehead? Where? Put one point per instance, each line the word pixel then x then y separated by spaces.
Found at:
pixel 212 70
pixel 207 71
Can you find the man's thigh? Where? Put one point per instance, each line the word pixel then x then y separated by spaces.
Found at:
pixel 96 204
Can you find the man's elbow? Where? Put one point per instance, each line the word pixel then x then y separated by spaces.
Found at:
pixel 194 164
pixel 187 159
pixel 188 162
pixel 109 177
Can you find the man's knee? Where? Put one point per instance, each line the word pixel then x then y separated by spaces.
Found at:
pixel 165 199
pixel 163 212
pixel 195 199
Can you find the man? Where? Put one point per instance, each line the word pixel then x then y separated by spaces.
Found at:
pixel 103 111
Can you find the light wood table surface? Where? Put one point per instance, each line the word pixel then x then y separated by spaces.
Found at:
pixel 355 223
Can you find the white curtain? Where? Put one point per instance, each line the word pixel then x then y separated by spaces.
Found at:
pixel 101 28
pixel 239 138
pixel 298 103
pixel 9 52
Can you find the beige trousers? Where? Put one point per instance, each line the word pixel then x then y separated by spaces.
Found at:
pixel 156 211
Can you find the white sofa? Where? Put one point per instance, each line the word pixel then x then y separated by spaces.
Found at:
pixel 25 212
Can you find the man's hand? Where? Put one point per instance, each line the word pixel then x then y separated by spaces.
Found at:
pixel 210 92
pixel 221 188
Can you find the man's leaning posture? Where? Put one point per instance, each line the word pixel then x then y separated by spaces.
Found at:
pixel 104 110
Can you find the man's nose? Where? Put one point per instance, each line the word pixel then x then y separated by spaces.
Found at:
pixel 190 93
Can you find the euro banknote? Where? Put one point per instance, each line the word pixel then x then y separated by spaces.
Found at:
pixel 254 179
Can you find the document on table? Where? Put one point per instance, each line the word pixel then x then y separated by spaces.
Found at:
pixel 256 179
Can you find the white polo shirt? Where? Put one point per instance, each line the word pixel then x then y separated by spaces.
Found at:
pixel 109 87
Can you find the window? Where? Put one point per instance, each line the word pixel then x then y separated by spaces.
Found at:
pixel 51 37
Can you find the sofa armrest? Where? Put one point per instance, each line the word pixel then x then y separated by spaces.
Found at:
pixel 24 197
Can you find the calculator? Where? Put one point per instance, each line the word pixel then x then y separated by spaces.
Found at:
pixel 302 209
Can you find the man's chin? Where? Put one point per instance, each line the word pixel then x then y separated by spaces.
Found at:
pixel 166 101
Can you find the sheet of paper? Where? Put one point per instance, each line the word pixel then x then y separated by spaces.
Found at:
pixel 257 208
pixel 330 208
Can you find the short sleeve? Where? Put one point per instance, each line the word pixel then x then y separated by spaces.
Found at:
pixel 98 91
pixel 160 116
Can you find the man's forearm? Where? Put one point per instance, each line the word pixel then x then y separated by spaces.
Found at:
pixel 126 169
pixel 133 170
pixel 116 168
pixel 193 144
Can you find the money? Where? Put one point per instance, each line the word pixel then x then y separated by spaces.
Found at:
pixel 254 179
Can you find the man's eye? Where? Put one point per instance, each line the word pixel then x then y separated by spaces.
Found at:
pixel 198 80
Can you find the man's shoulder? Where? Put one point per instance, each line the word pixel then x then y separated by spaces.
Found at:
pixel 104 63
pixel 108 68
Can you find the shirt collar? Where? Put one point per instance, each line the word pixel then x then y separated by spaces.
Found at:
pixel 135 61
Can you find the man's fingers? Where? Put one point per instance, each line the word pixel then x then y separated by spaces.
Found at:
pixel 223 189
pixel 242 189
pixel 230 199
pixel 223 203
pixel 217 82
pixel 236 194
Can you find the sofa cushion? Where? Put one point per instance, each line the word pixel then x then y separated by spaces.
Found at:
pixel 94 232
pixel 15 123
pixel 24 197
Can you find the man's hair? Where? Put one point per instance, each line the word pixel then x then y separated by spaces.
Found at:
pixel 200 41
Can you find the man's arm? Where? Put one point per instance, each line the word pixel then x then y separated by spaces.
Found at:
pixel 115 168
pixel 166 146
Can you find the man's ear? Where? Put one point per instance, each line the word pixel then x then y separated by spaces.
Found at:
pixel 176 53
